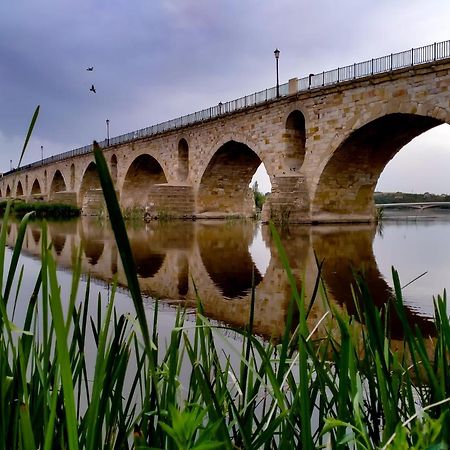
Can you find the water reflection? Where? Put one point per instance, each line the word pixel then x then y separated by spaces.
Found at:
pixel 225 255
pixel 176 260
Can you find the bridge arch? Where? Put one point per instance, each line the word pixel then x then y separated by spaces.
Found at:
pixel 90 185
pixel 8 191
pixel 347 182
pixel 143 173
pixel 224 184
pixel 36 188
pixel 183 159
pixel 19 189
pixel 58 184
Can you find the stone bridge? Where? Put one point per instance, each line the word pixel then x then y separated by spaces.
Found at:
pixel 324 141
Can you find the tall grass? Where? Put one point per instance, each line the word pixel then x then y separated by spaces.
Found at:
pixel 343 388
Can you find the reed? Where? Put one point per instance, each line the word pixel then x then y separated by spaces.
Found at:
pixel 347 388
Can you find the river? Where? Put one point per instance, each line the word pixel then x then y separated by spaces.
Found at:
pixel 175 260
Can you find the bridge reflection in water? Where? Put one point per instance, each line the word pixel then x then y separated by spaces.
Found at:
pixel 218 259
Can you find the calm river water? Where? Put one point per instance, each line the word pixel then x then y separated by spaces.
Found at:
pixel 174 259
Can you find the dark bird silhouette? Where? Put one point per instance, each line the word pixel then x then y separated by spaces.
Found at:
pixel 93 89
pixel 90 69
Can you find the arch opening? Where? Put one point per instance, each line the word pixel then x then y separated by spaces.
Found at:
pixel 72 176
pixel 19 189
pixel 295 139
pixel 90 195
pixel 143 173
pixel 224 187
pixel 427 154
pixel 36 188
pixel 58 184
pixel 183 160
pixel 114 168
pixel 8 191
pixel 347 184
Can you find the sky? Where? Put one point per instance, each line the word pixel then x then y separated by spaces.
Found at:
pixel 155 60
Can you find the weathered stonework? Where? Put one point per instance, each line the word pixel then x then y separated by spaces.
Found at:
pixel 324 150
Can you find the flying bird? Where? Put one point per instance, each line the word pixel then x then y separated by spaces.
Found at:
pixel 93 89
pixel 90 69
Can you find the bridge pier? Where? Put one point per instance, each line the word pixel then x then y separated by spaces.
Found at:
pixel 171 200
pixel 288 201
pixel 66 197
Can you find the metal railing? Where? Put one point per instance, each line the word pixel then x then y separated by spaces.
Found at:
pixel 394 61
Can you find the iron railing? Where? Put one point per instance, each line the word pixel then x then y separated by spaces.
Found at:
pixel 394 61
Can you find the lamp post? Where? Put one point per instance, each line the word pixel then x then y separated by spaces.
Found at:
pixel 107 132
pixel 277 57
pixel 10 164
pixel 42 154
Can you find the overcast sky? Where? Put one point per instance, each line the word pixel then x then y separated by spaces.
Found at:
pixel 155 60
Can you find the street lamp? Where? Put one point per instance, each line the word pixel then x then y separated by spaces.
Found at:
pixel 42 154
pixel 107 132
pixel 10 164
pixel 277 56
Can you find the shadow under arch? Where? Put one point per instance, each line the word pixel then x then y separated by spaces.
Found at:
pixel 113 165
pixel 36 188
pixel 224 251
pixel 347 183
pixel 347 252
pixel 224 186
pixel 90 182
pixel 295 138
pixel 58 183
pixel 19 189
pixel 72 176
pixel 183 160
pixel 143 172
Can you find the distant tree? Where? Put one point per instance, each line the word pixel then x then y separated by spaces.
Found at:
pixel 259 197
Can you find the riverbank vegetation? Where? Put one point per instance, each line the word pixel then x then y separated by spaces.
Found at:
pixel 329 382
pixel 259 197
pixel 405 197
pixel 19 208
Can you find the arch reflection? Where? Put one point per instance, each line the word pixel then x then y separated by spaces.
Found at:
pixel 224 250
pixel 218 258
pixel 346 251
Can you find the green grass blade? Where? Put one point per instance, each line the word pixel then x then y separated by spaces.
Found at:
pixel 16 255
pixel 30 130
pixel 28 440
pixel 123 243
pixel 63 356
